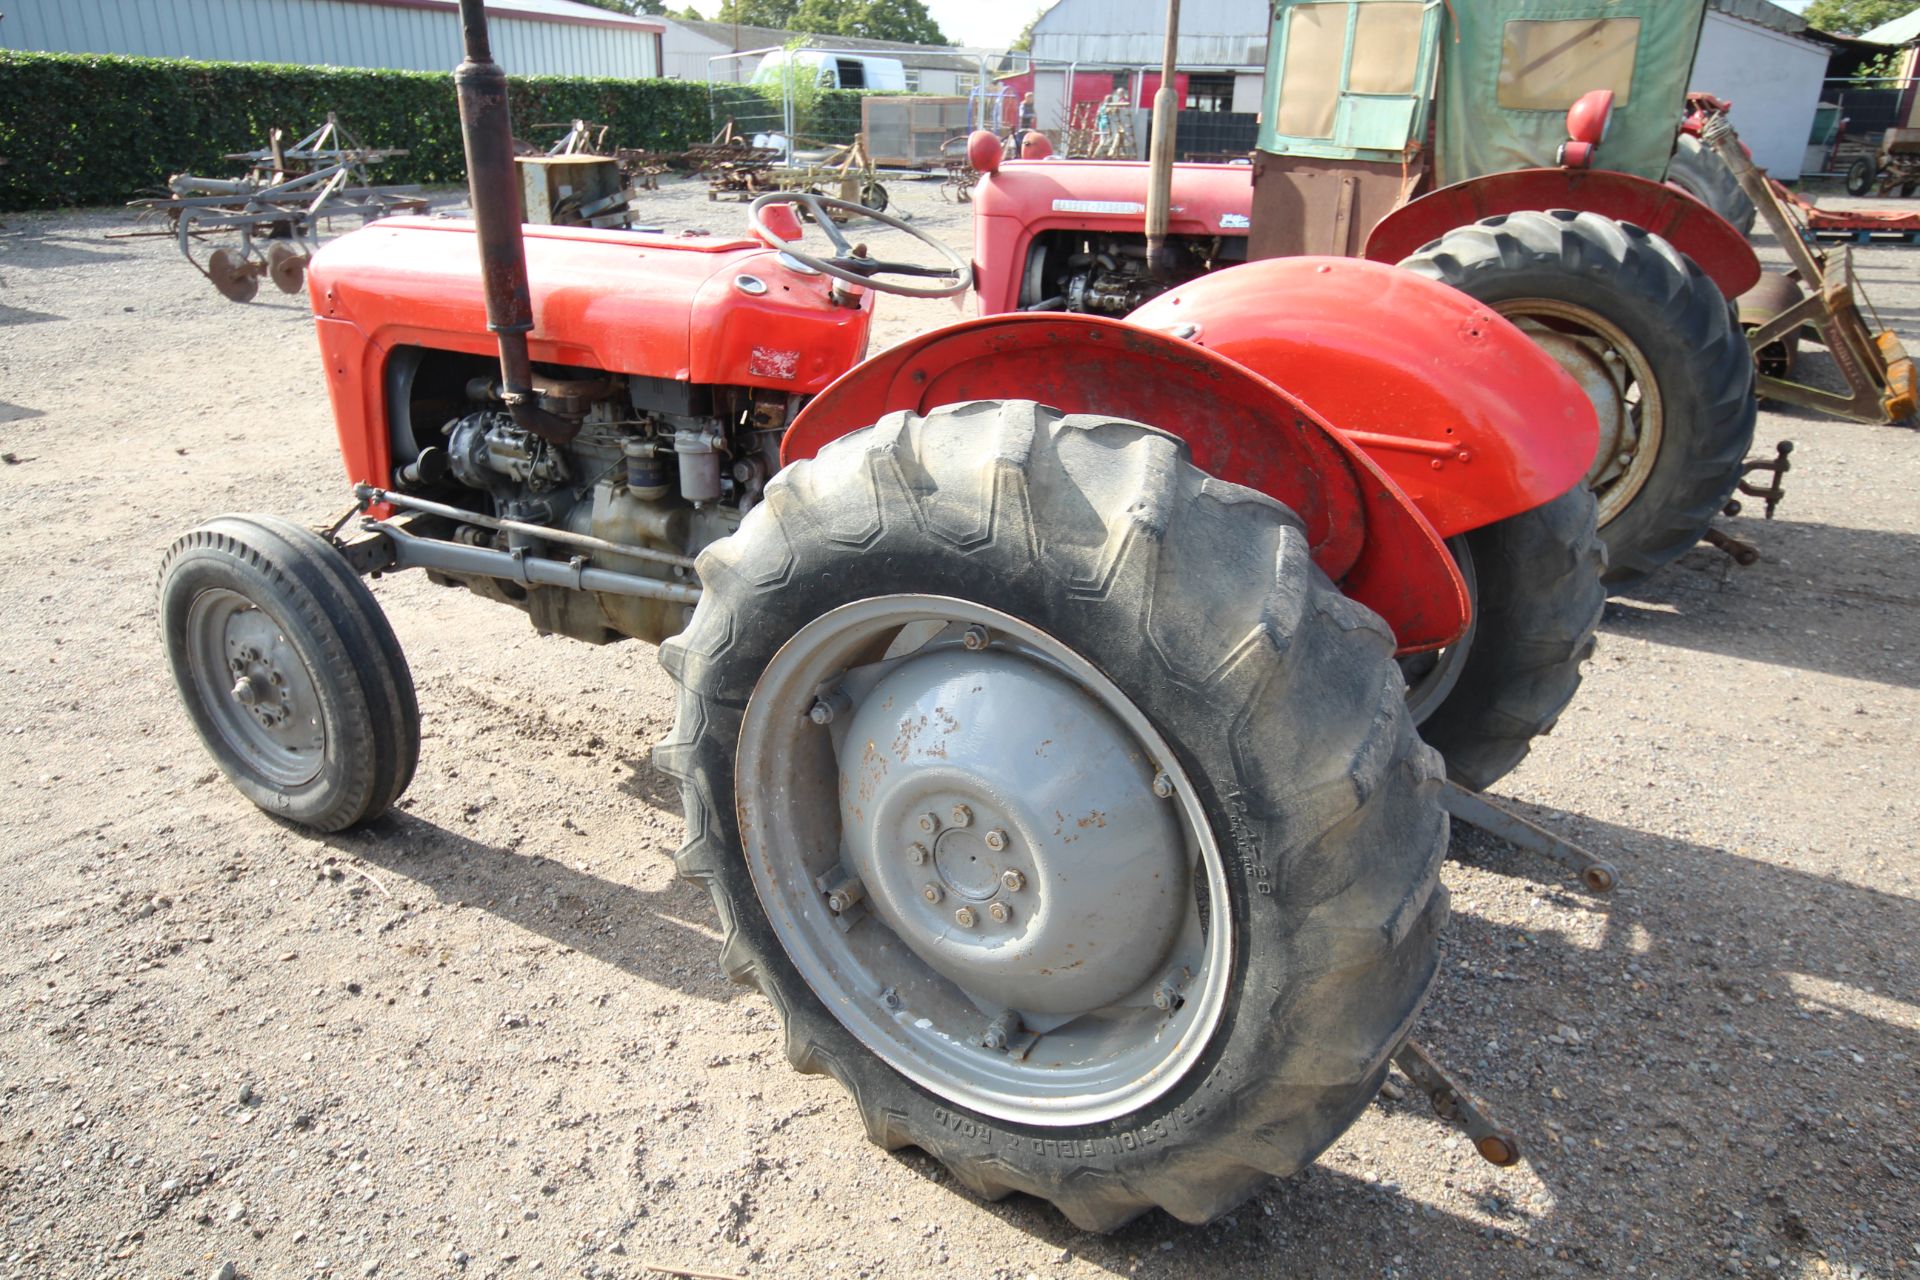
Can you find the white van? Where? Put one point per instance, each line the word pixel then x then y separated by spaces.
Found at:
pixel 832 69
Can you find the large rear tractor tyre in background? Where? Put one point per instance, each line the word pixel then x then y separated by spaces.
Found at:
pixel 1535 583
pixel 1651 341
pixel 1697 170
pixel 289 670
pixel 1062 808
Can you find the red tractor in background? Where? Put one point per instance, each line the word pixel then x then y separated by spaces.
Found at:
pixel 1039 728
pixel 1523 151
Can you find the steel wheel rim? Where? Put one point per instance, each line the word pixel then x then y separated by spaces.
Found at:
pixel 806 820
pixel 256 687
pixel 1631 430
pixel 1431 677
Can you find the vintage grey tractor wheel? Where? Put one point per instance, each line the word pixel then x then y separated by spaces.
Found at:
pixel 289 670
pixel 1702 174
pixel 1063 809
pixel 1651 341
pixel 1535 583
pixel 1861 176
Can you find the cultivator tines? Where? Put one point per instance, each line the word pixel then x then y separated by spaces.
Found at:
pixel 735 169
pixel 281 201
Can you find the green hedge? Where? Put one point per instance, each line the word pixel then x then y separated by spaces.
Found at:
pixel 84 129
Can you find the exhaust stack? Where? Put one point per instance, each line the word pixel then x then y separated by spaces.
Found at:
pixel 486 129
pixel 1166 121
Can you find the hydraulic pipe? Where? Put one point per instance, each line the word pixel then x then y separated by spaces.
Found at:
pixel 1160 175
pixel 487 130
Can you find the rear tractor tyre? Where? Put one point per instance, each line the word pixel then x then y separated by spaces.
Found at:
pixel 1534 580
pixel 289 670
pixel 1063 809
pixel 1700 172
pixel 1651 341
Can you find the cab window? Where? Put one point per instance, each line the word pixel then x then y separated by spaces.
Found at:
pixel 1546 66
pixel 1319 67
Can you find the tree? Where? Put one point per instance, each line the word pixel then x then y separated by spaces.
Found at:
pixel 758 13
pixel 904 20
pixel 1851 17
pixel 654 7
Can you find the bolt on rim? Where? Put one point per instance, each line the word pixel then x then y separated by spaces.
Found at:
pixel 1069 975
pixel 1618 380
pixel 256 688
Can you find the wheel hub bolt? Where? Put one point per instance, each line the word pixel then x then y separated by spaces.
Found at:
pixel 917 853
pixel 1012 879
pixel 929 823
pixel 1162 784
pixel 974 637
pixel 962 816
pixel 996 839
pixel 933 893
pixel 1166 997
pixel 1000 912
pixel 965 918
pixel 243 692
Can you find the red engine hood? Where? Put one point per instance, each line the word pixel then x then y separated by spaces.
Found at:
pixel 629 302
pixel 1031 196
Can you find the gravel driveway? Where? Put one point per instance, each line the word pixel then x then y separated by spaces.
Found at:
pixel 488 1035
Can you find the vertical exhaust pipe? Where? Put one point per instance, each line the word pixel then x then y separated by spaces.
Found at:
pixel 486 129
pixel 1160 171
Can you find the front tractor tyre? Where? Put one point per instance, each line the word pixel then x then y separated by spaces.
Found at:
pixel 289 670
pixel 1535 583
pixel 1066 813
pixel 1653 344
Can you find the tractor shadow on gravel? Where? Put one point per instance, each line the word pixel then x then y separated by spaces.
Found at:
pixel 1825 598
pixel 628 928
pixel 1732 1060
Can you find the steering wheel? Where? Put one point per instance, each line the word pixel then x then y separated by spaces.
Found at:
pixel 850 262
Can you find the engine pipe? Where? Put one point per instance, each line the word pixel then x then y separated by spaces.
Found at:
pixel 1160 170
pixel 486 129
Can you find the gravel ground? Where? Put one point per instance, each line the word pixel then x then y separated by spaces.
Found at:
pixel 488 1036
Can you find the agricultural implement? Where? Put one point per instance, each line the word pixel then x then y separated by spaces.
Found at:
pixel 1038 726
pixel 276 209
pixel 1895 164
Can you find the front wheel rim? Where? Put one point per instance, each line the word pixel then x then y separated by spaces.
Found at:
pixel 898 769
pixel 255 687
pixel 1617 379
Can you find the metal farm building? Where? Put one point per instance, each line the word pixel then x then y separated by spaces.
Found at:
pixel 531 37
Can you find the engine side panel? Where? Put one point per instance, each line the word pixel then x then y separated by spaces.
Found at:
pixel 1689 226
pixel 1468 416
pixel 1238 426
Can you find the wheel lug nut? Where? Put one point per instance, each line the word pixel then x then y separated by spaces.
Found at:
pixel 1162 784
pixel 962 816
pixel 917 853
pixel 1014 881
pixel 965 918
pixel 929 823
pixel 243 692
pixel 996 839
pixel 974 637
pixel 826 707
pixel 1000 912
pixel 932 893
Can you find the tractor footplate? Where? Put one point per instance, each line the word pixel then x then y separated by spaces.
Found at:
pixel 1475 809
pixel 1452 1102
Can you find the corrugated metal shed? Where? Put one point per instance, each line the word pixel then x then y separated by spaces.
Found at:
pixel 1132 33
pixel 530 37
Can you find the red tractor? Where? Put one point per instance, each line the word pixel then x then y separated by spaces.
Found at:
pixel 1039 727
pixel 1519 150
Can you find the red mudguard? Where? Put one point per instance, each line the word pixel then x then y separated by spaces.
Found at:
pixel 1676 217
pixel 1469 417
pixel 1365 534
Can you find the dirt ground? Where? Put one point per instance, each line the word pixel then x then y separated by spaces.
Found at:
pixel 488 1035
